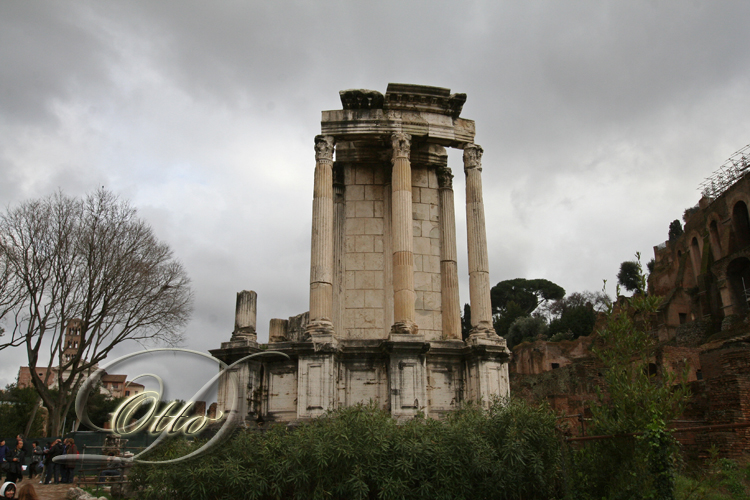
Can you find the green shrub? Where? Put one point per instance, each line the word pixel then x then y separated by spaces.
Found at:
pixel 509 451
pixel 636 402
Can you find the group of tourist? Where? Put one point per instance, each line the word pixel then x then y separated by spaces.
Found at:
pixel 41 462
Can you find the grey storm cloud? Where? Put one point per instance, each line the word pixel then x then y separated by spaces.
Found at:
pixel 598 121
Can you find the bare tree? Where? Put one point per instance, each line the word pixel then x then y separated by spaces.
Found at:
pixel 91 260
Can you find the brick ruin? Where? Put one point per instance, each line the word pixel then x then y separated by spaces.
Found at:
pixel 384 321
pixel 703 323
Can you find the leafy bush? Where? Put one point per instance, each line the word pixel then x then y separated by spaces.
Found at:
pixel 635 402
pixel 16 408
pixel 509 451
pixel 675 230
pixel 501 322
pixel 578 320
pixel 526 328
pixel 560 336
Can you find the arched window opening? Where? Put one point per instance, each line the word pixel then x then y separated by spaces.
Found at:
pixel 741 225
pixel 695 257
pixel 713 231
pixel 738 275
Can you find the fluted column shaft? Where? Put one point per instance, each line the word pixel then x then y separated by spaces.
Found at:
pixel 245 313
pixel 339 240
pixel 451 306
pixel 403 245
pixel 479 275
pixel 321 262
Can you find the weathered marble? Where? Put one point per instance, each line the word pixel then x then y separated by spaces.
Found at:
pixel 385 322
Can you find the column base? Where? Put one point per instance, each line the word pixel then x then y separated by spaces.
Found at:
pixel 244 337
pixel 241 341
pixel 404 328
pixel 324 342
pixel 483 330
pixel 485 338
pixel 319 327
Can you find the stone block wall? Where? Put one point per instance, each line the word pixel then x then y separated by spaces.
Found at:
pixel 426 234
pixel 365 314
pixel 368 303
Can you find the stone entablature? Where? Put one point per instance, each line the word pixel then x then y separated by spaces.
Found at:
pixel 405 97
pixel 429 113
pixel 384 318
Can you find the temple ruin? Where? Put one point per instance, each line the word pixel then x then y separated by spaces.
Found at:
pixel 384 322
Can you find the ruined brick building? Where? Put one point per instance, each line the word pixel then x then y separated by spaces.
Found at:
pixel 704 274
pixel 703 323
pixel 384 319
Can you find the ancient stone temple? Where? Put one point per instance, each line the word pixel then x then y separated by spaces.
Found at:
pixel 384 321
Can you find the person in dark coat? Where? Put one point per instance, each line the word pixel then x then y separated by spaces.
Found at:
pixel 16 460
pixel 52 468
pixel 37 455
pixel 26 444
pixel 66 469
pixel 4 450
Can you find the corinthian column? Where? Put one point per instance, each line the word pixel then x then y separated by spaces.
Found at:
pixel 479 274
pixel 403 246
pixel 321 262
pixel 451 308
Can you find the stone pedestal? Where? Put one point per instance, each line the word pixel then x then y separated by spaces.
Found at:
pixel 487 369
pixel 407 374
pixel 316 384
pixel 240 388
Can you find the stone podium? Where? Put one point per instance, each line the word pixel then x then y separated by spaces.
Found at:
pixel 384 322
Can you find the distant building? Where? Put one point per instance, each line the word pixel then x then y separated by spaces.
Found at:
pixel 132 388
pixel 115 386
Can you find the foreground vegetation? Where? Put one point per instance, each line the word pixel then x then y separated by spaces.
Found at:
pixel 721 479
pixel 508 451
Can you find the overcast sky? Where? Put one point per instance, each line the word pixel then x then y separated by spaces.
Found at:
pixel 598 121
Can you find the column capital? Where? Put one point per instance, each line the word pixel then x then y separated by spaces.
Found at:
pixel 401 145
pixel 473 157
pixel 323 147
pixel 444 177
